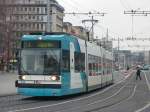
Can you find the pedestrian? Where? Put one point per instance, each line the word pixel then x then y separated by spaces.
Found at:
pixel 127 67
pixel 138 73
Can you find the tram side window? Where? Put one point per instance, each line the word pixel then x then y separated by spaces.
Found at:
pixel 79 62
pixel 90 64
pixel 100 66
pixel 107 67
pixel 65 61
pixel 104 66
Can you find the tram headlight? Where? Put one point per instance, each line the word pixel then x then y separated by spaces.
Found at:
pixel 55 78
pixel 22 77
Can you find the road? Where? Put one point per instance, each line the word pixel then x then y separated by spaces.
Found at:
pixel 128 95
pixel 7 85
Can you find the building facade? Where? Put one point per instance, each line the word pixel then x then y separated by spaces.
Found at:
pixel 36 16
pixel 77 30
pixel 147 57
pixel 18 17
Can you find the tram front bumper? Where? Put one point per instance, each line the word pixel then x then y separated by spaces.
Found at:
pixel 34 89
pixel 39 92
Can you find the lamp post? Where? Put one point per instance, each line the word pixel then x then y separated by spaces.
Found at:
pixel 118 54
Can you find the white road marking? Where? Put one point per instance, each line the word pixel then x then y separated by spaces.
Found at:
pixel 98 101
pixel 133 92
pixel 109 96
pixel 45 106
pixel 148 84
pixel 128 97
pixel 148 105
pixel 141 109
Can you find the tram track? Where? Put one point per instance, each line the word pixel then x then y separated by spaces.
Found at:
pixel 148 85
pixel 104 100
pixel 114 103
pixel 100 109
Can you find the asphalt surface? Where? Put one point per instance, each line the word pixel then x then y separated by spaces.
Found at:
pixel 129 95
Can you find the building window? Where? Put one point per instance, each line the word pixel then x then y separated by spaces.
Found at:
pixel 21 17
pixel 29 17
pixel 29 8
pixel 25 9
pixel 38 10
pixel 38 18
pixel 33 25
pixel 29 26
pixel 33 9
pixel 42 26
pixel 41 18
pixel 18 8
pixel 45 10
pixel 33 17
pixel 37 26
pixel 21 25
pixel 21 8
pixel 17 17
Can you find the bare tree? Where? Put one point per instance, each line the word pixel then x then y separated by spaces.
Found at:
pixel 6 33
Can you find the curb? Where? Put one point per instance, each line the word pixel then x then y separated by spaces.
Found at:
pixel 7 95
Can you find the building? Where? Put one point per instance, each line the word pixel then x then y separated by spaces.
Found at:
pixel 67 27
pixel 18 17
pixel 147 57
pixel 126 58
pixel 77 30
pixel 105 43
pixel 36 16
pixel 122 59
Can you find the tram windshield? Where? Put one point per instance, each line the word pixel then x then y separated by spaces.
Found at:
pixel 40 61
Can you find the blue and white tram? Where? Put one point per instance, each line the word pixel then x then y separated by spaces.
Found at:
pixel 57 64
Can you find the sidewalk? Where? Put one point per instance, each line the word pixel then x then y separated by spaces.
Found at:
pixel 7 83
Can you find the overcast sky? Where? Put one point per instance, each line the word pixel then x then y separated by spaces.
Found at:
pixel 118 24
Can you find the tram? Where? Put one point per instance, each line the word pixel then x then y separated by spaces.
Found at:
pixel 58 64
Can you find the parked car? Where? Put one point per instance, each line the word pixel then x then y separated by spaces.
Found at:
pixel 146 67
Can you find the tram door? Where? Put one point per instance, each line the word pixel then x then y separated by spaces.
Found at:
pixel 104 71
pixel 72 50
pixel 75 77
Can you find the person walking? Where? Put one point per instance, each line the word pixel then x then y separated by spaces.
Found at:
pixel 138 73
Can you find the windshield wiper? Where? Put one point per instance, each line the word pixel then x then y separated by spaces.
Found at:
pixel 50 72
pixel 23 71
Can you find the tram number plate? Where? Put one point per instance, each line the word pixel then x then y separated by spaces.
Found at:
pixel 37 82
pixel 21 81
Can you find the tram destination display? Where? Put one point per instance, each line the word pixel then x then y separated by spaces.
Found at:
pixel 40 44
